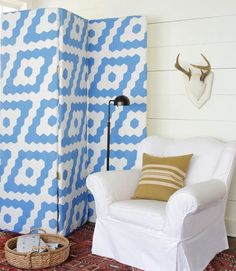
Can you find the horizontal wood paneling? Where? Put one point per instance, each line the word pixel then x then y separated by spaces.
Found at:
pixel 155 10
pixel 220 55
pixel 170 112
pixel 192 32
pixel 221 108
pixel 188 128
pixel 70 4
pixel 171 82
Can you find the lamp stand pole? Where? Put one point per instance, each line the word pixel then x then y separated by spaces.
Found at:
pixel 119 100
pixel 108 134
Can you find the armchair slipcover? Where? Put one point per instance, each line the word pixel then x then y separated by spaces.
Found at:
pixel 182 234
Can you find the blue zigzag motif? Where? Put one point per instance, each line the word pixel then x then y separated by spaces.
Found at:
pixel 53 190
pixel 62 209
pixel 47 55
pixel 33 36
pixel 74 59
pixel 67 139
pixel 25 206
pixel 4 58
pixel 62 112
pixel 93 109
pixel 80 180
pixel 118 45
pixel 101 160
pixel 4 157
pixel 130 157
pixel 134 139
pixel 80 91
pixel 16 31
pixel 139 88
pixel 63 15
pixel 67 39
pixel 90 63
pixel 90 200
pixel 53 85
pixel 24 108
pixel 105 33
pixel 129 61
pixel 32 135
pixel 81 218
pixel 46 207
pixel 47 157
pixel 94 52
pixel 70 156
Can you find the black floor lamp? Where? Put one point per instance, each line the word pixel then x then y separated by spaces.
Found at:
pixel 119 101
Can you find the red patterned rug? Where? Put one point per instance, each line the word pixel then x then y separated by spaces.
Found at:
pixel 81 258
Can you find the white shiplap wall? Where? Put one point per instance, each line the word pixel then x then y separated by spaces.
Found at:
pixel 188 27
pixel 170 113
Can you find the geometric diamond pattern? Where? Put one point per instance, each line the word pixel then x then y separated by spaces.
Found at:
pixel 46 208
pixel 98 33
pixel 28 119
pixel 129 27
pixel 78 212
pixel 72 136
pixel 99 88
pixel 117 66
pixel 75 33
pixel 12 118
pixel 68 174
pixel 75 124
pixel 12 27
pixel 69 64
pixel 44 57
pixel 46 121
pixel 123 130
pixel 16 181
pixel 44 20
pixel 18 212
pixel 48 57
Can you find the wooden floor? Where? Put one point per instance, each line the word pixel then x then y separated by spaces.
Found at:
pixel 232 243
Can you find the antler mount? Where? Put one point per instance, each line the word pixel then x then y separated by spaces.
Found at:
pixel 205 70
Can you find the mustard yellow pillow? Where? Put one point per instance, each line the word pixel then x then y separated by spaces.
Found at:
pixel 161 176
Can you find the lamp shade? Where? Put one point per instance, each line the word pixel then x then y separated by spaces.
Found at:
pixel 121 100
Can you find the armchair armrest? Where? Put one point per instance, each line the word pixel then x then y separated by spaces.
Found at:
pixel 194 200
pixel 111 186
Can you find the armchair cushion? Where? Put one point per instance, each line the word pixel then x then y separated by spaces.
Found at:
pixel 145 213
pixel 161 176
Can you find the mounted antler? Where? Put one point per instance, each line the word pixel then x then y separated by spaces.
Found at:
pixel 206 68
pixel 197 86
pixel 178 67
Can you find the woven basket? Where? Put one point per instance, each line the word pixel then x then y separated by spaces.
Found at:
pixel 33 260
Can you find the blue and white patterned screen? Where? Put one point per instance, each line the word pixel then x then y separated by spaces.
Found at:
pixel 28 120
pixel 117 66
pixel 72 136
pixel 48 56
pixel 43 121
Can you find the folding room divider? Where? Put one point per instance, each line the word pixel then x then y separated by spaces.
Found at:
pixel 58 72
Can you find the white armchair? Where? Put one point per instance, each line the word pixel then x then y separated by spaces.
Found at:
pixel 182 234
